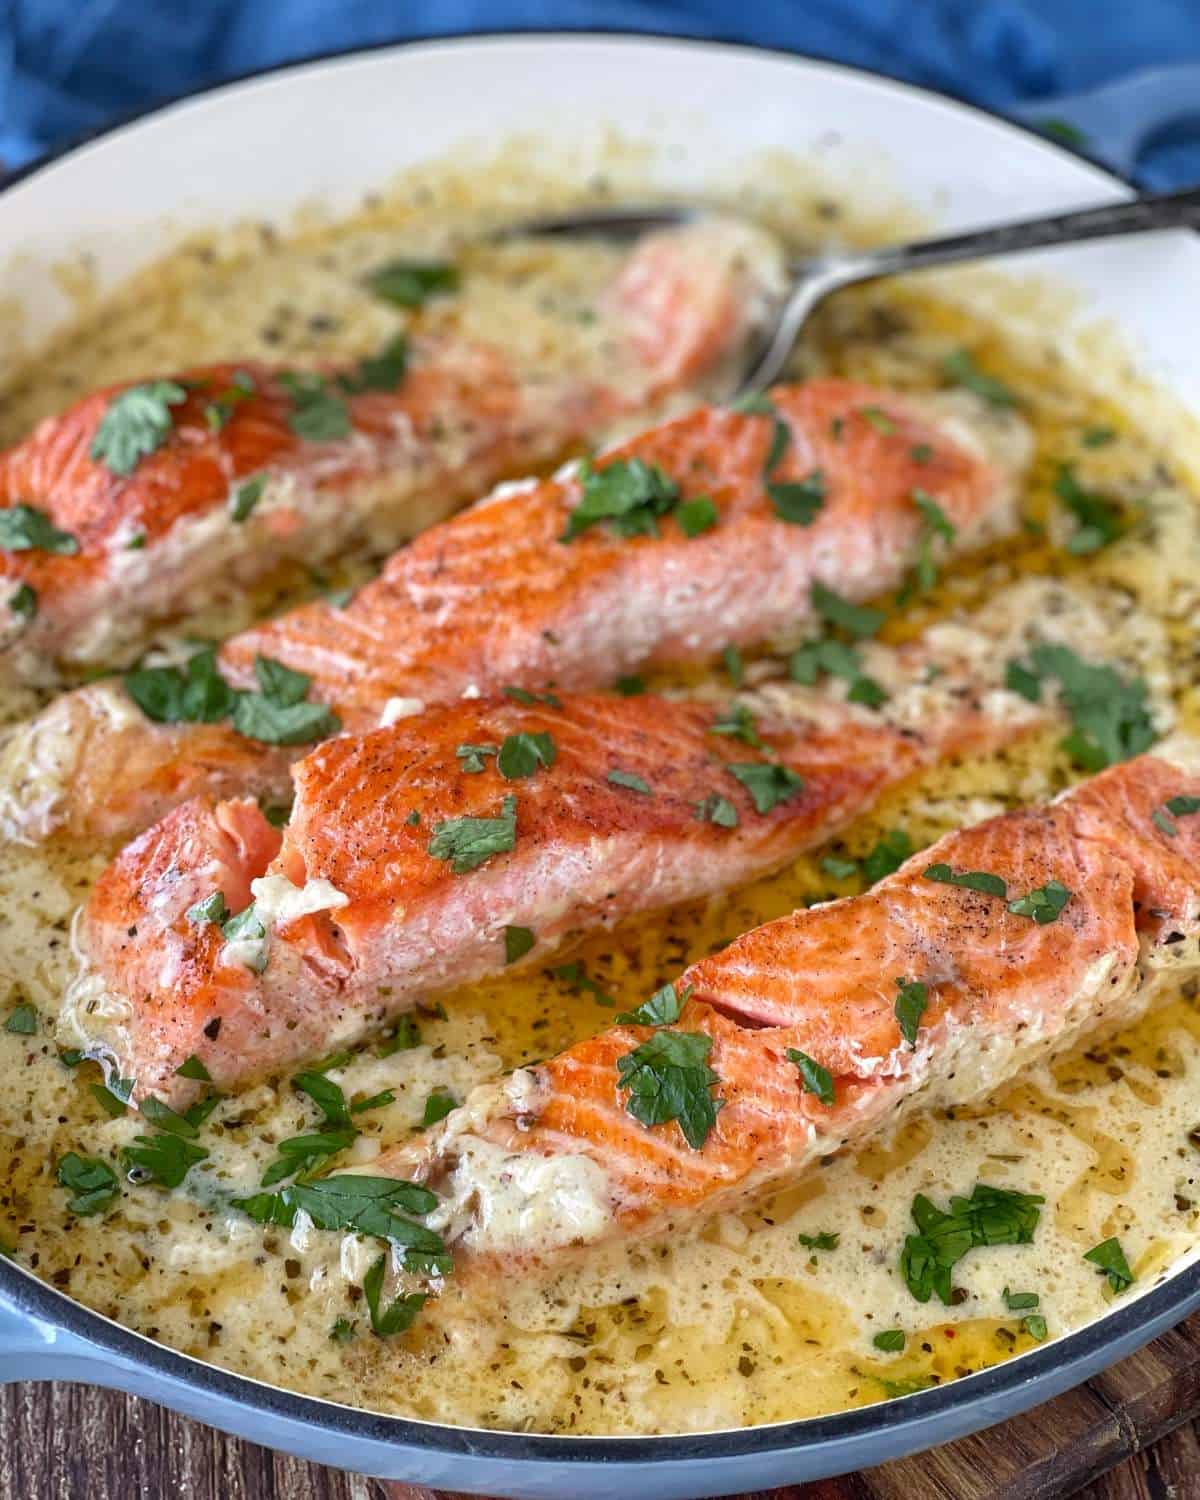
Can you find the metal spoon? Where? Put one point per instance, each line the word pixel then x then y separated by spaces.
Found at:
pixel 815 278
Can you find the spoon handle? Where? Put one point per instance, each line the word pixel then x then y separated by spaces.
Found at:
pixel 1166 211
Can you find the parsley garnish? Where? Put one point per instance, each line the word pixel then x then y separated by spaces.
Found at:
pixel 378 372
pixel 799 501
pixel 627 493
pixel 731 658
pixel 23 601
pixel 363 1205
pixel 438 1106
pixel 409 283
pixel 162 1158
pixel 324 1093
pixel 911 1004
pixel 137 422
pixel 211 909
pixel 573 974
pixel 663 1008
pixel 517 943
pixel 318 415
pixel 1097 437
pixel 717 809
pixel 219 410
pixel 835 659
pixel 814 1079
pixel 630 687
pixel 1099 519
pixel 630 782
pixel 891 1340
pixel 738 724
pixel 1044 904
pixel 1174 807
pixel 887 856
pixel 990 1216
pixel 342 1331
pixel 1108 712
pixel 824 1240
pixel 1035 1326
pixel 1020 1301
pixel 299 1153
pixel 472 757
pixel 668 1078
pixel 399 1314
pixel 92 1181
pixel 468 842
pixel 969 880
pixel 406 1036
pixel 24 528
pixel 697 515
pixel 162 1115
pixel 192 1067
pixel 22 1020
pixel 768 783
pixel 960 367
pixel 373 1101
pixel 856 619
pixel 1110 1259
pixel 522 754
pixel 246 497
pixel 934 523
pixel 838 868
pixel 523 695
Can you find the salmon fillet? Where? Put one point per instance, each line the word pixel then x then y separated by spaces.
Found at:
pixel 143 501
pixel 589 809
pixel 919 990
pixel 741 516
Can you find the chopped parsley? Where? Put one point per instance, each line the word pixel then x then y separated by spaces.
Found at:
pixel 663 1008
pixel 410 283
pixel 798 501
pixel 668 1078
pixel 246 497
pixel 221 408
pixel 211 909
pixel 469 842
pixel 878 419
pixel 856 619
pixel 920 453
pixel 631 686
pixel 990 1216
pixel 164 1158
pixel 911 1003
pixel 399 1314
pixel 373 1101
pixel 192 1067
pixel 768 784
pixel 824 1240
pixel 887 856
pixel 628 494
pixel 1044 904
pixel 300 1153
pixel 24 528
pixel 1020 1301
pixel 23 601
pixel 378 372
pixel 324 1093
pixel 697 515
pixel 935 524
pixel 342 1331
pixel 573 974
pixel 738 724
pixel 630 782
pixel 1110 1259
pixel 891 1340
pixel 473 757
pixel 405 1036
pixel 438 1106
pixel 1108 712
pixel 1174 807
pixel 136 423
pixel 377 1206
pixel 92 1182
pixel 968 880
pixel 517 943
pixel 1100 521
pixel 523 695
pixel 961 369
pixel 1035 1326
pixel 166 1118
pixel 22 1020
pixel 731 659
pixel 814 1079
pixel 838 868
pixel 835 659
pixel 522 754
pixel 318 414
pixel 717 809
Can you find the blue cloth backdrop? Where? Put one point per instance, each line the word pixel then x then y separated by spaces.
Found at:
pixel 70 66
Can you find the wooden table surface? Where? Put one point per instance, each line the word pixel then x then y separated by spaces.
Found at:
pixel 1130 1434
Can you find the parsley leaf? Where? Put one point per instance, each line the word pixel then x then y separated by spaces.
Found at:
pixel 934 524
pixel 1035 1326
pixel 630 687
pixel 627 493
pixel 1109 714
pixel 406 1036
pixel 731 659
pixel 969 880
pixel 318 414
pixel 517 943
pixel 438 1106
pixel 136 423
pixel 836 659
pixel 1097 437
pixel 878 419
pixel 24 528
pixel 1044 904
pixel 376 1206
pixel 398 1316
pixel 697 515
pixel 162 1158
pixel 814 1079
pixel 22 1020
pixel 887 856
pixel 837 868
pixel 717 809
pixel 856 619
pixel 663 1008
pixel 409 283
pixel 960 367
pixel 799 501
pixel 1174 807
pixel 325 1094
pixel 23 601
pixel 246 497
pixel 468 842
pixel 768 784
pixel 891 1340
pixel 1020 1301
pixel 911 1004
pixel 522 754
pixel 92 1181
pixel 473 757
pixel 1100 521
pixel 523 695
pixel 299 1153
pixel 1110 1259
pixel 378 372
pixel 161 1114
pixel 630 782
pixel 738 724
pixel 990 1216
pixel 668 1078
pixel 824 1240
pixel 192 1067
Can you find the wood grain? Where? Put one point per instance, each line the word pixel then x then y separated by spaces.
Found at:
pixel 65 1442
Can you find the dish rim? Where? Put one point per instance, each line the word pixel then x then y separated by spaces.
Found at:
pixel 1168 1302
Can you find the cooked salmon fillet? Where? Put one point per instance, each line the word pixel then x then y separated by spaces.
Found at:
pixel 921 989
pixel 143 501
pixel 731 520
pixel 412 850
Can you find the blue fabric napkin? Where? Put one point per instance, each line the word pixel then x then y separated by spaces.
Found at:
pixel 70 66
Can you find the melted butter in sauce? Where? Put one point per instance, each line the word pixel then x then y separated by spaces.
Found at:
pixel 701 1328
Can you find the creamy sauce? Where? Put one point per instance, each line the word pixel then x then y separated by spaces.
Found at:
pixel 705 1327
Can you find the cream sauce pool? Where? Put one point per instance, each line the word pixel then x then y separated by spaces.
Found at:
pixel 704 1327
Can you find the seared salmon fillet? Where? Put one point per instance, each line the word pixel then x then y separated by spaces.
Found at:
pixel 999 945
pixel 719 528
pixel 414 852
pixel 143 501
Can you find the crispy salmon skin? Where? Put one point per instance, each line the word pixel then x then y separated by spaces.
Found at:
pixel 145 501
pixel 721 527
pixel 1000 944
